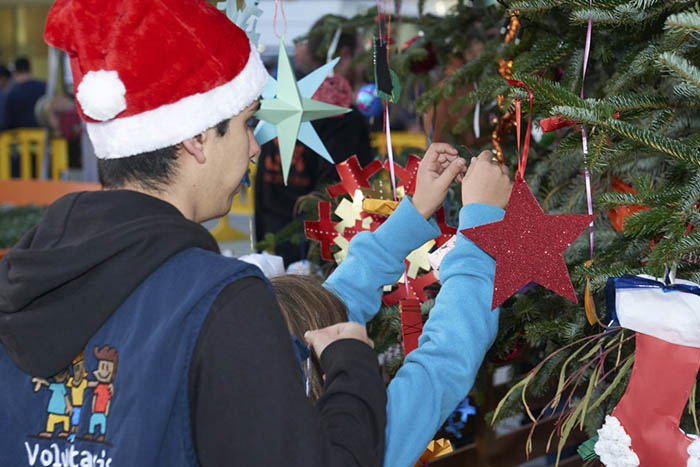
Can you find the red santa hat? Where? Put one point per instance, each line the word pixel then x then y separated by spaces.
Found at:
pixel 150 74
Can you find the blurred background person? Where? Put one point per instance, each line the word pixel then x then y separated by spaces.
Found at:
pixel 5 77
pixel 25 92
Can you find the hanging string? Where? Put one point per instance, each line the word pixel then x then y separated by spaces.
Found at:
pixel 284 19
pixel 379 19
pixel 387 12
pixel 389 149
pixel 477 113
pixel 584 136
pixel 522 156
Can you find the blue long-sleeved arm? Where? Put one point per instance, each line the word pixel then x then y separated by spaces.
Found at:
pixel 461 328
pixel 436 377
pixel 375 259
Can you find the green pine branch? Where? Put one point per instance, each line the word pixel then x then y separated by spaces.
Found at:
pixel 658 142
pixel 680 28
pixel 681 68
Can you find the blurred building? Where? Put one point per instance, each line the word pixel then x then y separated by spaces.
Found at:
pixel 22 23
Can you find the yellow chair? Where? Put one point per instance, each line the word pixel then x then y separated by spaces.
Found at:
pixel 399 141
pixel 244 205
pixel 31 142
pixel 59 157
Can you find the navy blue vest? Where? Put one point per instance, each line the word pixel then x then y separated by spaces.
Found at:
pixel 124 402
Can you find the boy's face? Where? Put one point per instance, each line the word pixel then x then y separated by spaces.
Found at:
pixel 104 371
pixel 62 376
pixel 228 157
pixel 78 369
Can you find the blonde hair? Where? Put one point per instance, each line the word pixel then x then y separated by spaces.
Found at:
pixel 307 305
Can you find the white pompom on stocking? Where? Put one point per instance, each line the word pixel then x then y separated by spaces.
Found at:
pixel 101 95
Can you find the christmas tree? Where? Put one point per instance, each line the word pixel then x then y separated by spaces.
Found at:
pixel 637 106
pixel 641 120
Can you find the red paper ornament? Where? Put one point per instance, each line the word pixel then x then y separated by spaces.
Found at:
pixel 406 176
pixel 446 230
pixel 619 214
pixel 528 245
pixel 353 176
pixel 413 290
pixel 350 232
pixel 554 123
pixel 322 230
pixel 411 324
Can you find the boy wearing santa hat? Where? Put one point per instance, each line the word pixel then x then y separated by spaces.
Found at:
pixel 207 371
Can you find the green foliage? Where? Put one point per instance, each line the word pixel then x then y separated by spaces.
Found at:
pixel 642 119
pixel 15 222
pixel 643 126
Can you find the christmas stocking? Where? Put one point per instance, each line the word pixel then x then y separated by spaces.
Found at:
pixel 643 430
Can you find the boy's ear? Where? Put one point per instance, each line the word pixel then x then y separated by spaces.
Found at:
pixel 195 147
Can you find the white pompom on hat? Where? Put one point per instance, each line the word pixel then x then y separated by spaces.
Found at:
pixel 101 95
pixel 148 75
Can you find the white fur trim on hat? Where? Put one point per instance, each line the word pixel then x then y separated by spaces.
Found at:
pixel 173 123
pixel 101 94
pixel 614 445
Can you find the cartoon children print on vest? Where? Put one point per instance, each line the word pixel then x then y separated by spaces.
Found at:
pixel 107 362
pixel 77 385
pixel 68 397
pixel 60 407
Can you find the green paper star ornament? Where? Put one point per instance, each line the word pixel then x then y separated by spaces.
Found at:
pixel 286 110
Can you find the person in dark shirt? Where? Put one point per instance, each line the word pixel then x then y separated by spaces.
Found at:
pixel 19 107
pixel 344 136
pixel 5 77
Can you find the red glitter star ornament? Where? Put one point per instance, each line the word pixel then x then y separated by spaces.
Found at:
pixel 528 245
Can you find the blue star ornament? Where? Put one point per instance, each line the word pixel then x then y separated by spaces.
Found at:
pixel 286 110
pixel 241 17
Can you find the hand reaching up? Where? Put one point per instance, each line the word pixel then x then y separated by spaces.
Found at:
pixel 486 182
pixel 440 166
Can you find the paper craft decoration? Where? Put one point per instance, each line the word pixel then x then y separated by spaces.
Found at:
pixel 322 230
pixel 435 258
pixel 411 324
pixel 418 259
pixel 367 214
pixel 446 230
pixel 644 427
pixel 382 74
pixel 241 16
pixel 414 289
pixel 436 448
pixel 352 176
pixel 381 207
pixel 406 176
pixel 528 245
pixel 386 80
pixel 286 110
